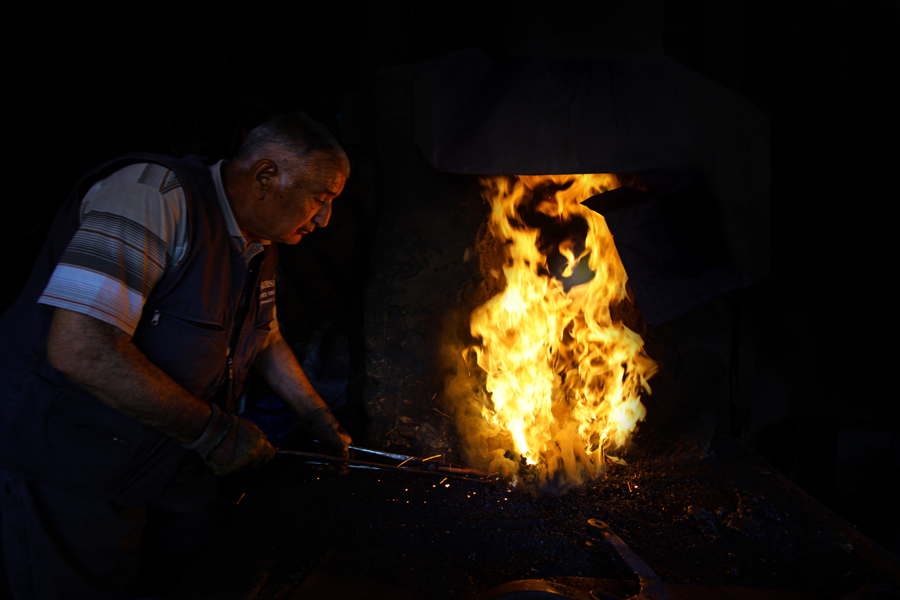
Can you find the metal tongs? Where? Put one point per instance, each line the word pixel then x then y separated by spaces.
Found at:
pixel 418 466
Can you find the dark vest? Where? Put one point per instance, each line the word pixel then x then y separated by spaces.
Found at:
pixel 53 431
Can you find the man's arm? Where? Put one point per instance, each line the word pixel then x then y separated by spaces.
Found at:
pixel 101 359
pixel 279 367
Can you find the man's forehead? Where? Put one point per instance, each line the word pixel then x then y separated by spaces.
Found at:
pixel 326 174
pixel 327 181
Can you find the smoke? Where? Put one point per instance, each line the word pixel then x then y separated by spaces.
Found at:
pixel 483 444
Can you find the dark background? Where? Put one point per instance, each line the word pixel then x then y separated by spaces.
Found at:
pixel 83 84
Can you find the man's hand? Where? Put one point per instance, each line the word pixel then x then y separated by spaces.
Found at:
pixel 321 425
pixel 229 444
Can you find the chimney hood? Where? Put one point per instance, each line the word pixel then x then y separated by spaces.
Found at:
pixel 617 104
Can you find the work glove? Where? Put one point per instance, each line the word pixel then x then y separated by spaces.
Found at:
pixel 229 444
pixel 321 425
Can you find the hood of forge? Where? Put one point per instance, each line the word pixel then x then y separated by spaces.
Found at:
pixel 692 227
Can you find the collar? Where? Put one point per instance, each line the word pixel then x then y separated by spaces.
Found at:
pixel 250 249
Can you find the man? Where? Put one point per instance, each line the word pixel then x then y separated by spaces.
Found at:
pixel 122 361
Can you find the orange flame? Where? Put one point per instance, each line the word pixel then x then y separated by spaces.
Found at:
pixel 562 379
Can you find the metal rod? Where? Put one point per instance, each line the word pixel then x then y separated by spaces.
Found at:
pixel 312 462
pixel 652 587
pixel 473 476
pixel 459 471
pixel 381 453
pixel 405 458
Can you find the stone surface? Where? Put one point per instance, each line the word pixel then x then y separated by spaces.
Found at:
pixel 422 272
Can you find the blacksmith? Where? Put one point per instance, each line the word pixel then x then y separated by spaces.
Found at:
pixel 123 359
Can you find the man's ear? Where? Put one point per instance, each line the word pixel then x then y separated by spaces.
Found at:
pixel 264 172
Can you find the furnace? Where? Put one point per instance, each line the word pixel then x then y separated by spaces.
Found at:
pixel 686 203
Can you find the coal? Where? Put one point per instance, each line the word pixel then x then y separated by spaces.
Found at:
pixel 724 518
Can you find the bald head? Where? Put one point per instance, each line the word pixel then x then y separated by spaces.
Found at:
pixel 295 138
pixel 282 180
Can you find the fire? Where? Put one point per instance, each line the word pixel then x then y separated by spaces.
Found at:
pixel 562 380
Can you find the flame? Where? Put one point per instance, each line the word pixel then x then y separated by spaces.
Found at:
pixel 562 379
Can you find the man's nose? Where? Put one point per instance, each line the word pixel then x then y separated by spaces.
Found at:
pixel 323 214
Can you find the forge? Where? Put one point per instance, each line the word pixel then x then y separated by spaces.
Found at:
pixel 685 199
pixel 505 201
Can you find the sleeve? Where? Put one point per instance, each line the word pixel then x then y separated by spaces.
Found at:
pixel 132 230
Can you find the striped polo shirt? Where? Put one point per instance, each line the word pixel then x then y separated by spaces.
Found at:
pixel 133 228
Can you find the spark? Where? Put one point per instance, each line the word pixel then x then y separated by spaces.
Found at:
pixel 440 413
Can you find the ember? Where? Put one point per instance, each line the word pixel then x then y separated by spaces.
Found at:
pixel 560 380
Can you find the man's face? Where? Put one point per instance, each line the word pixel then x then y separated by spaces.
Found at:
pixel 300 200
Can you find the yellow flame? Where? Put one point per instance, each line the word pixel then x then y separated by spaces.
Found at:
pixel 563 380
